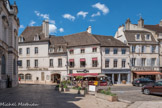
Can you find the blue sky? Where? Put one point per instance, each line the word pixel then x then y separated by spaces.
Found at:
pixel 73 16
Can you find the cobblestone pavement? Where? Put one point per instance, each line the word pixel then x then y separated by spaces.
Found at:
pixel 43 96
pixel 133 94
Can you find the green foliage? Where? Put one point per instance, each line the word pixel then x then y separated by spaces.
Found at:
pixel 107 92
pixel 79 77
pixel 64 84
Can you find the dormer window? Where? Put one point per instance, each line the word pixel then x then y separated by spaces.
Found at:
pixel 60 49
pixel 36 38
pixel 51 50
pixel 148 37
pixel 21 39
pixel 138 37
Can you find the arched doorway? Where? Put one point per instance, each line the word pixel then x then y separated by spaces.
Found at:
pixel 55 78
pixel 28 77
pixel 21 76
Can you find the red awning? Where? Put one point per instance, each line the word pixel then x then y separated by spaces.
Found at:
pixel 83 74
pixel 82 59
pixel 94 59
pixel 71 60
pixel 148 73
pixel 94 47
pixel 71 49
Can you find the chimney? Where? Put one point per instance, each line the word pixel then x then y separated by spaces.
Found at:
pixel 160 23
pixel 127 24
pixel 45 26
pixel 89 29
pixel 141 23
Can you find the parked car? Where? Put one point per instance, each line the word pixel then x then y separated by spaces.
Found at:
pixel 155 88
pixel 141 82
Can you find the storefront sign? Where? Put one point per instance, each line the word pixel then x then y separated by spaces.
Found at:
pixel 92 88
pixel 82 71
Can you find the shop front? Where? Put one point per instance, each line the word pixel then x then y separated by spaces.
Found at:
pixel 118 76
pixel 153 75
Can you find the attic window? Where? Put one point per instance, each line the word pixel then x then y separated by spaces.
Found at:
pixel 148 37
pixel 51 50
pixel 60 49
pixel 138 37
pixel 21 39
pixel 36 38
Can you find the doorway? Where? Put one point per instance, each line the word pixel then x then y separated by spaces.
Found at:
pixel 55 78
pixel 115 78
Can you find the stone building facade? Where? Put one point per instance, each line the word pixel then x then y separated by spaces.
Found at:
pixel 9 25
pixel 50 58
pixel 115 59
pixel 143 41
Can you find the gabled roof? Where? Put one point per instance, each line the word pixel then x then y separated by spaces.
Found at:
pixel 56 42
pixel 29 33
pixel 109 41
pixel 155 28
pixel 130 36
pixel 81 39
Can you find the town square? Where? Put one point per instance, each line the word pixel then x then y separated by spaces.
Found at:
pixel 80 54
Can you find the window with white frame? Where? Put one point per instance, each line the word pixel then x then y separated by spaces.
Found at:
pixel 107 63
pixel 36 38
pixel 21 39
pixel 115 51
pixel 143 61
pixel 51 62
pixel 147 37
pixel 133 48
pixel 59 62
pixel 36 63
pixel 133 61
pixel 28 63
pixel 153 61
pixel 153 49
pixel 123 51
pixel 138 37
pixel 123 63
pixel 20 51
pixel 107 50
pixel 27 50
pixel 36 50
pixel 82 50
pixel 60 49
pixel 115 63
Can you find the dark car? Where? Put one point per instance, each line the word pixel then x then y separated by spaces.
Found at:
pixel 141 82
pixel 155 88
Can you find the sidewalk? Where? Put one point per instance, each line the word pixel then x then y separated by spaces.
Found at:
pixel 146 104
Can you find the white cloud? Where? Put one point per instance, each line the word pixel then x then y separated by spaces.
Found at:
pixel 81 13
pixel 52 28
pixel 22 26
pixel 69 17
pixel 45 16
pixel 52 21
pixel 32 23
pixel 52 24
pixel 101 7
pixel 96 14
pixel 61 30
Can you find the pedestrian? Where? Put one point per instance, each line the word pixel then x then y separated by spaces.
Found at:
pixel 19 79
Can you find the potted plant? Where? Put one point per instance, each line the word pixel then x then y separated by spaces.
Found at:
pixel 79 88
pixel 107 95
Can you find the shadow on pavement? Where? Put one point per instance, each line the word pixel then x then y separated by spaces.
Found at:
pixel 44 96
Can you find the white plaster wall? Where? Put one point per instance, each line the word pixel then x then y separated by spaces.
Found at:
pixel 118 56
pixel 88 55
